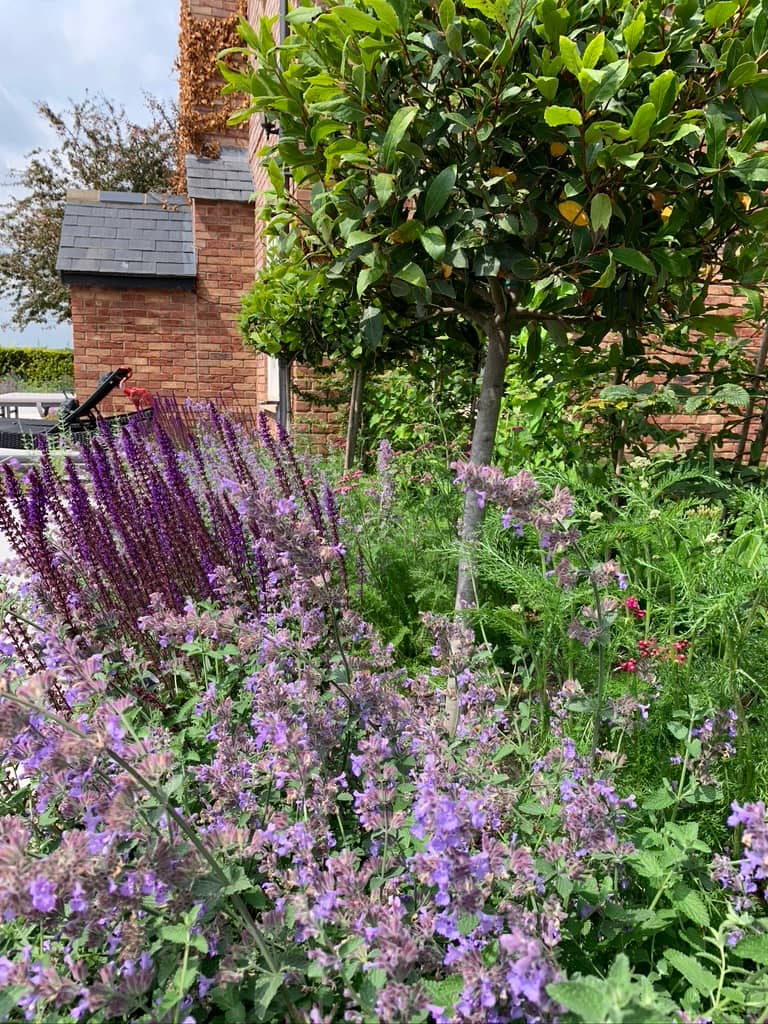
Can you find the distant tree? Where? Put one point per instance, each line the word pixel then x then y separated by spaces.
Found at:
pixel 97 147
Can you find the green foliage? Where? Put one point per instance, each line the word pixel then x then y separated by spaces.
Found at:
pixel 36 367
pixel 292 311
pixel 97 147
pixel 577 169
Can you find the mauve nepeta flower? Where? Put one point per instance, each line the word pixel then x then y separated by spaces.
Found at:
pixel 43 894
pixel 753 863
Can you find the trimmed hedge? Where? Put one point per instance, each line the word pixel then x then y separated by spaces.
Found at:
pixel 36 367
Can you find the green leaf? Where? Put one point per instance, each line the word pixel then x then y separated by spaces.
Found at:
pixel 717 14
pixel 633 32
pixel 383 186
pixel 556 116
pixel 611 78
pixel 663 91
pixel 547 86
pixel 395 133
pixel 387 16
pixel 446 13
pixel 446 991
pixel 659 800
pixel 9 998
pixel 372 327
pixel 694 908
pixel 439 192
pixel 276 177
pixel 642 122
pixel 600 210
pixel 352 18
pixel 583 998
pixel 746 72
pixel 593 51
pixel 649 58
pixel 732 394
pixel 634 259
pixel 699 977
pixel 367 277
pixel 753 947
pixel 569 51
pixel 433 240
pixel 264 992
pixel 608 276
pixel 413 275
pixel 358 237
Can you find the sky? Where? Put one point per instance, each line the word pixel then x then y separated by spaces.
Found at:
pixel 57 50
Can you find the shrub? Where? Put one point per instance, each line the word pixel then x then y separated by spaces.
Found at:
pixel 37 367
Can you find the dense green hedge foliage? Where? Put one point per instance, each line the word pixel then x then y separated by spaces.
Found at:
pixel 37 366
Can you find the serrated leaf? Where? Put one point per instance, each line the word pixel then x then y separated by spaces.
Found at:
pixel 634 259
pixel 733 395
pixel 582 998
pixel 398 126
pixel 264 991
pixel 659 800
pixel 9 998
pixel 445 992
pixel 556 116
pixel 439 191
pixel 694 908
pixel 600 210
pixel 181 935
pixel 699 977
pixel 753 947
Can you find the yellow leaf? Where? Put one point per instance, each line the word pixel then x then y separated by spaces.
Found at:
pixel 447 270
pixel 558 148
pixel 503 172
pixel 744 199
pixel 573 213
pixel 666 213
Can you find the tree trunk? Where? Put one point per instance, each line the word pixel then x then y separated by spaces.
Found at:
pixel 284 394
pixel 355 415
pixel 749 414
pixel 481 453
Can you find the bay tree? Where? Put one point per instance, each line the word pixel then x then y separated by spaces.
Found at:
pixel 559 173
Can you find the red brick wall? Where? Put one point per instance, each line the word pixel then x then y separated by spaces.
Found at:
pixel 181 342
pixel 707 423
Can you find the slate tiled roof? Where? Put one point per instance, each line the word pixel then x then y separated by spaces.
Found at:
pixel 227 177
pixel 126 234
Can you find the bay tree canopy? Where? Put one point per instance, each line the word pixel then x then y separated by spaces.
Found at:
pixel 557 173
